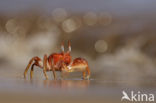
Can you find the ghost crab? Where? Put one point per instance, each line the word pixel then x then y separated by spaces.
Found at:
pixel 59 62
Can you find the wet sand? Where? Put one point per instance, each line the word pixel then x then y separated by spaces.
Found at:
pixel 66 91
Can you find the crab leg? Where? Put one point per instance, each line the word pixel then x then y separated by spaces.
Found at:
pixel 31 72
pixel 28 66
pixel 52 67
pixel 88 72
pixel 45 66
pixel 84 74
pixel 54 74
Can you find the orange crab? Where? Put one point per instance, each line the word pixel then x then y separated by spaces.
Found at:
pixel 59 62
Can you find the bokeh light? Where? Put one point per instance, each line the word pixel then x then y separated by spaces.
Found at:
pixel 59 14
pixel 11 26
pixel 105 18
pixel 90 18
pixel 101 46
pixel 69 25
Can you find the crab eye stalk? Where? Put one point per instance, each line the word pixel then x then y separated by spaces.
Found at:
pixel 62 47
pixel 69 46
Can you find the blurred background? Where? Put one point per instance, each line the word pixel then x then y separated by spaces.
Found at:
pixel 117 37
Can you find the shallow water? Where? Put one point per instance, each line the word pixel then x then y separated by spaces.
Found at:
pixel 69 90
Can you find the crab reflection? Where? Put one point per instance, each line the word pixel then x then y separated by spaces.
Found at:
pixel 67 83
